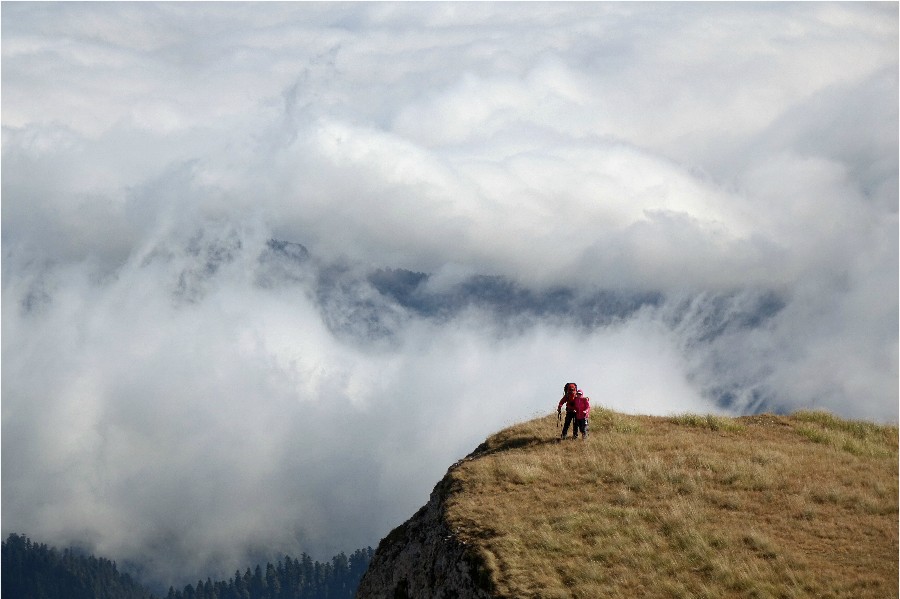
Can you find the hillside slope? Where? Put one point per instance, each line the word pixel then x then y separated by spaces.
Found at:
pixel 688 506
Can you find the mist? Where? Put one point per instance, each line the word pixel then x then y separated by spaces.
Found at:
pixel 270 269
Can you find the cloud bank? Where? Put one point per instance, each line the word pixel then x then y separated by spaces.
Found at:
pixel 269 269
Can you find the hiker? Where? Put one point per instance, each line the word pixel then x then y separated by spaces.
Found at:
pixel 569 399
pixel 582 411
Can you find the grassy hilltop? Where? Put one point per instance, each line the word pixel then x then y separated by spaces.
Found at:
pixel 688 506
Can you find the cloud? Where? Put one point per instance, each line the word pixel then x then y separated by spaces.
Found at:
pixel 269 270
pixel 171 396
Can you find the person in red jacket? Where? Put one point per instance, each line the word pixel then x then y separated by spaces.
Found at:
pixel 582 406
pixel 568 399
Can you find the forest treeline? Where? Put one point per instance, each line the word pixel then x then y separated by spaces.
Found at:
pixel 36 571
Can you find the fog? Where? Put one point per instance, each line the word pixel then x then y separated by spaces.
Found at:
pixel 269 269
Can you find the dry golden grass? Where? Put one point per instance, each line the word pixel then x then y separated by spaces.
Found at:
pixel 688 506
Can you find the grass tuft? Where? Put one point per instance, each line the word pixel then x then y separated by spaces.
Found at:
pixel 856 437
pixel 709 421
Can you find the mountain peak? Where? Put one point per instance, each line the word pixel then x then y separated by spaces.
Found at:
pixel 688 505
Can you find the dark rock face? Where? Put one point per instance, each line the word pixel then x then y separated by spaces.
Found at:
pixel 423 559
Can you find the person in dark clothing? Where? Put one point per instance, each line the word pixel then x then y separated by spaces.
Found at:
pixel 569 399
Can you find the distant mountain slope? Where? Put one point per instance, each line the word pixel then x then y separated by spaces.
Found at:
pixel 689 506
pixel 724 334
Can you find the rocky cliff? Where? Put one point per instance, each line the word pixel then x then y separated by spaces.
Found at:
pixel 422 558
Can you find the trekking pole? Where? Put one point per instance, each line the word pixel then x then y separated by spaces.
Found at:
pixel 558 417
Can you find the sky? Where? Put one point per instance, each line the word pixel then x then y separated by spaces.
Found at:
pixel 269 269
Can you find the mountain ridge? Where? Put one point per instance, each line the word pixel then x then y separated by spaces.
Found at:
pixel 798 505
